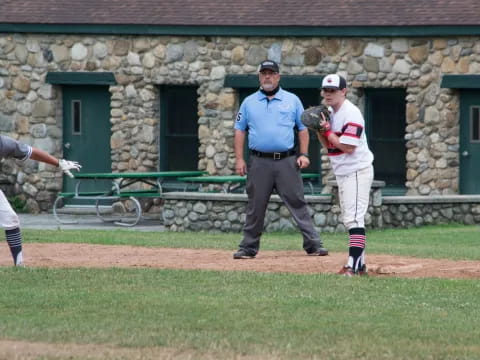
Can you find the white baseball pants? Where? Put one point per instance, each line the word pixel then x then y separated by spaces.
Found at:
pixel 8 218
pixel 354 193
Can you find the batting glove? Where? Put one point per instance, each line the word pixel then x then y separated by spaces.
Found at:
pixel 67 165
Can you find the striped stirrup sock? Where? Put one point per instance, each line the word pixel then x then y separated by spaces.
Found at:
pixel 14 240
pixel 356 249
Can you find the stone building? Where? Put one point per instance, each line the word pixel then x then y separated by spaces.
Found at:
pixel 149 85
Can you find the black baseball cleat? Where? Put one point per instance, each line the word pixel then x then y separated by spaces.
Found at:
pixel 319 252
pixel 242 254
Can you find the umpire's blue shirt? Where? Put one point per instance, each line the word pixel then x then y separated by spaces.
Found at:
pixel 270 123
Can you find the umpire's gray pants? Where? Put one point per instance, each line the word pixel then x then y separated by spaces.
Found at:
pixel 264 175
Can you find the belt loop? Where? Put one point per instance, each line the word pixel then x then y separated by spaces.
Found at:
pixel 277 156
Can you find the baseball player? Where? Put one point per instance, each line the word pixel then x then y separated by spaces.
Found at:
pixel 351 160
pixel 269 116
pixel 10 148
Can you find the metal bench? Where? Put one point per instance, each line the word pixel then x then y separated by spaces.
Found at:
pixel 122 187
pixel 231 183
pixel 99 197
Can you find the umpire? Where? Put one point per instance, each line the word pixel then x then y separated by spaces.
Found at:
pixel 269 116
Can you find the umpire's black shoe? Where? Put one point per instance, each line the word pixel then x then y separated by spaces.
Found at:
pixel 242 254
pixel 319 252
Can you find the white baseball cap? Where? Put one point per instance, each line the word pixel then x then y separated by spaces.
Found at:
pixel 334 81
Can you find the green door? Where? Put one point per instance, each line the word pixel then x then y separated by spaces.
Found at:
pixel 86 130
pixel 469 142
pixel 308 97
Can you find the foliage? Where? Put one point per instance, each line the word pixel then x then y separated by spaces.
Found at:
pixel 18 203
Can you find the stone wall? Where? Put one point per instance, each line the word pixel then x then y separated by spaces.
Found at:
pixel 184 211
pixel 30 109
pixel 219 212
pixel 400 211
pixel 226 212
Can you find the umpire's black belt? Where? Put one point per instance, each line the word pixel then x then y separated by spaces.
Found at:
pixel 274 155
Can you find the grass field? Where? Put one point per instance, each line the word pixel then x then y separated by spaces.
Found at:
pixel 245 315
pixel 447 241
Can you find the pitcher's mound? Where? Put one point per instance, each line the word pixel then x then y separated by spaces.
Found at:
pixel 62 255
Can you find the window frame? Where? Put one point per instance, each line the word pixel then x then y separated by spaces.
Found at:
pixel 74 116
pixel 472 126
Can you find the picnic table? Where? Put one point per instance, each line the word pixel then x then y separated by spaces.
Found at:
pixel 233 182
pixel 121 186
pixel 229 182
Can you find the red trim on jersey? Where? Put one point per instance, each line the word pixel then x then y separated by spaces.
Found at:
pixel 353 136
pixel 353 124
pixel 352 129
pixel 332 150
pixel 335 153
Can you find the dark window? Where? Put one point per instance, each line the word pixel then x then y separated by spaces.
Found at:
pixel 76 117
pixel 475 124
pixel 385 125
pixel 179 128
pixel 311 97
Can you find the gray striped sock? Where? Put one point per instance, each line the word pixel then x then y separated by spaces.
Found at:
pixel 14 240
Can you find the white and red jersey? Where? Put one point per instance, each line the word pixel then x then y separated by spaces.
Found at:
pixel 348 124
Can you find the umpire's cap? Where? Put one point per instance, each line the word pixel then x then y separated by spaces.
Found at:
pixel 268 65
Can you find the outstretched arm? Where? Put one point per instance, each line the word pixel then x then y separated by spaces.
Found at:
pixel 42 156
pixel 65 165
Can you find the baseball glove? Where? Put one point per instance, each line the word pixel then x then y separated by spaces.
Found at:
pixel 311 117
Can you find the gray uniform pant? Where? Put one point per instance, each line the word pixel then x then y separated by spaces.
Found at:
pixel 264 175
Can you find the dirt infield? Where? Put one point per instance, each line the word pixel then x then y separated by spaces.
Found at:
pixel 62 255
